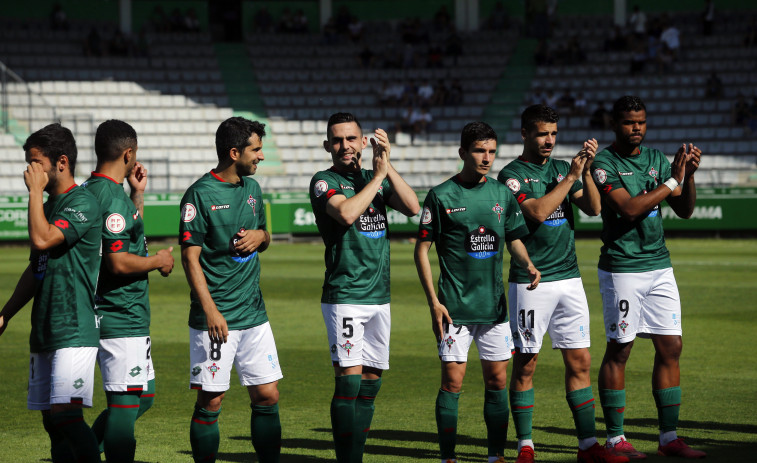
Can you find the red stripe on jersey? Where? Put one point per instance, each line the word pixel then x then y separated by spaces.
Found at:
pixel 77 400
pixel 582 404
pixel 123 406
pixel 620 410
pixel 344 397
pixel 195 386
pixel 133 388
pixel 205 422
pixel 147 395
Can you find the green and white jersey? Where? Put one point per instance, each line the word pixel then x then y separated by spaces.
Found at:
pixel 550 244
pixel 469 225
pixel 212 213
pixel 63 313
pixel 638 246
pixel 122 300
pixel 357 256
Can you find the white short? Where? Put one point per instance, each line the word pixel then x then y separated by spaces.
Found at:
pixel 358 334
pixel 494 342
pixel 125 363
pixel 252 352
pixel 63 376
pixel 640 304
pixel 559 308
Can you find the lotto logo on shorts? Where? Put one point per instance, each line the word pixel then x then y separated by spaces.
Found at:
pixel 196 371
pixel 79 383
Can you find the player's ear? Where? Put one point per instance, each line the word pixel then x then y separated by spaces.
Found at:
pixel 234 154
pixel 326 145
pixel 462 153
pixel 62 163
pixel 523 134
pixel 365 141
pixel 127 155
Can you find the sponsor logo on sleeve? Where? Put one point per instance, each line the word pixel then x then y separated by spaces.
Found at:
pixel 513 185
pixel 320 188
pixel 116 246
pixel 62 224
pixel 188 212
pixel 426 217
pixel 600 176
pixel 115 223
pixel 521 198
pixel 186 236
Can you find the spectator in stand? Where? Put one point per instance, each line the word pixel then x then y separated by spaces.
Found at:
pixel 574 52
pixel 740 112
pixel 542 55
pixel 367 57
pixel 191 23
pixel 425 93
pixel 355 29
pixel 422 119
pixel 638 58
pixel 286 21
pixel 550 99
pixel 671 39
pixel 538 97
pixel 263 21
pixel 176 21
pixel 580 104
pixel 58 19
pixel 441 93
pixel 638 22
pixel 600 118
pixel 119 44
pixel 330 32
pixel 435 56
pixel 566 104
pixel 708 17
pixel 442 19
pixel 453 44
pixel 714 87
pixel 455 93
pixel 159 20
pixel 617 41
pixel 93 45
pixel 300 25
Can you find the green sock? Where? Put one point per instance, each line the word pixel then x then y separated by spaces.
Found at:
pixel 204 435
pixel 60 451
pixel 496 414
pixel 364 407
pixel 98 427
pixel 446 422
pixel 147 398
pixel 668 403
pixel 346 389
pixel 581 402
pixel 522 406
pixel 118 440
pixel 265 429
pixel 80 437
pixel 614 407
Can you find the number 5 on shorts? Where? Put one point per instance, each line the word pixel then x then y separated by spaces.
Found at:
pixel 346 324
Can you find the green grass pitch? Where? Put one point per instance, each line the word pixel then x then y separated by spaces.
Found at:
pixel 718 284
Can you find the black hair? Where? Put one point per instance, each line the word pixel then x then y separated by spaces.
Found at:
pixel 476 131
pixel 235 132
pixel 626 104
pixel 341 118
pixel 112 138
pixel 54 141
pixel 538 113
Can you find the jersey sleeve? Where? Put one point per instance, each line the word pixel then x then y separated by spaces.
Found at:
pixel 118 223
pixel 429 226
pixel 605 176
pixel 515 224
pixel 80 214
pixel 261 219
pixel 521 190
pixel 192 224
pixel 666 170
pixel 322 187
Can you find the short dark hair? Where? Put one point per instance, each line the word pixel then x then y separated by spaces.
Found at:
pixel 626 104
pixel 235 132
pixel 476 131
pixel 54 141
pixel 538 113
pixel 341 118
pixel 112 138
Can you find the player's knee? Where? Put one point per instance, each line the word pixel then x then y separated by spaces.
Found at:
pixel 496 382
pixel 578 362
pixel 618 353
pixel 266 394
pixel 210 401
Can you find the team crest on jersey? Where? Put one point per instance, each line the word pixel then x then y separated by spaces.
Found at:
pixel 252 202
pixel 623 325
pixel 513 185
pixel 188 212
pixel 115 223
pixel 600 176
pixel 426 216
pixel 320 188
pixel 213 369
pixel 527 334
pixel 653 172
pixel 347 346
pixel 449 342
pixel 560 178
pixel 498 210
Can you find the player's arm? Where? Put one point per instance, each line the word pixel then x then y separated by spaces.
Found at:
pixel 439 313
pixel 538 209
pixel 252 240
pixel 632 208
pixel 138 182
pixel 404 198
pixel 43 235
pixel 587 198
pixel 190 259
pixel 517 249
pixel 21 296
pixel 125 263
pixel 346 211
pixel 683 199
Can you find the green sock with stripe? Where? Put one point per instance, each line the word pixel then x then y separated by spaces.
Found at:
pixel 496 416
pixel 147 398
pixel 346 389
pixel 614 407
pixel 265 430
pixel 364 407
pixel 668 403
pixel 204 435
pixel 80 437
pixel 522 407
pixel 446 422
pixel 581 402
pixel 118 440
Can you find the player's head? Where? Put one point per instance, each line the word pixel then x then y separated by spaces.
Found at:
pixel 240 140
pixel 54 147
pixel 116 140
pixel 478 147
pixel 629 121
pixel 344 141
pixel 538 130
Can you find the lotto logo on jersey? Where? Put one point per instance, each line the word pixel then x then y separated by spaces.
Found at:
pixel 320 188
pixel 600 176
pixel 116 246
pixel 186 236
pixel 217 208
pixel 426 216
pixel 188 212
pixel 482 243
pixel 115 223
pixel 61 223
pixel 513 185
